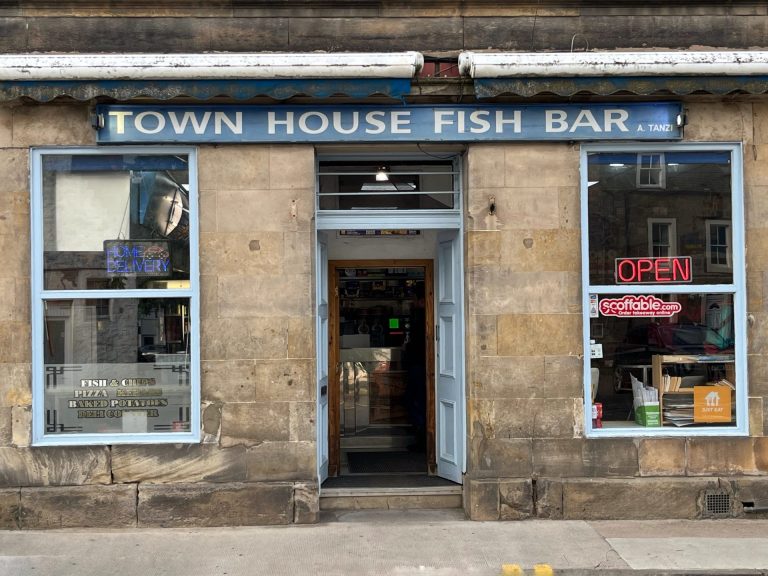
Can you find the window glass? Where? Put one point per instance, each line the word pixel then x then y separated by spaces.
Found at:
pixel 117 361
pixel 648 216
pixel 399 185
pixel 663 346
pixel 115 222
pixel 117 365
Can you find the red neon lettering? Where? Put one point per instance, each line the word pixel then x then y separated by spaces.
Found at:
pixel 622 277
pixel 683 267
pixel 663 267
pixel 643 265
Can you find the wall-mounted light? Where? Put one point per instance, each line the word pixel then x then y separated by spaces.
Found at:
pixel 381 174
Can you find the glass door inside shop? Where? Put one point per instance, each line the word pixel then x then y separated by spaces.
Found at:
pixel 381 344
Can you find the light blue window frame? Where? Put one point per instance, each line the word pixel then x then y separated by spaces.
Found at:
pixel 40 295
pixel 737 288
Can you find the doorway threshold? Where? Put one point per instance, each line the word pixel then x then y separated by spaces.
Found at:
pixel 388 492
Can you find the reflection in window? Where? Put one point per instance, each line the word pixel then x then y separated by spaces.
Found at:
pixel 662 289
pixel 122 221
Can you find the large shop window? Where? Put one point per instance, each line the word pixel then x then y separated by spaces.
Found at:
pixel 115 296
pixel 663 276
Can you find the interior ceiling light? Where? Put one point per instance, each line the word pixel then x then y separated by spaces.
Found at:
pixel 381 174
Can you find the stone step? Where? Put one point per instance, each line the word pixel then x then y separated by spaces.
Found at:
pixel 434 497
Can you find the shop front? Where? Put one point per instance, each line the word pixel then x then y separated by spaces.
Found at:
pixel 244 313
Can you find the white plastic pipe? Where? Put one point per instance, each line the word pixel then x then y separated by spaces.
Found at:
pixel 568 64
pixel 229 66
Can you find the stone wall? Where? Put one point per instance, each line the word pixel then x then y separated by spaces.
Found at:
pixel 524 344
pixel 370 25
pixel 256 463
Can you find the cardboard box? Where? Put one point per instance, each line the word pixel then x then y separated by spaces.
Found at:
pixel 648 414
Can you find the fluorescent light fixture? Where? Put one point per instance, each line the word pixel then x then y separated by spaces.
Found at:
pixel 616 165
pixel 381 174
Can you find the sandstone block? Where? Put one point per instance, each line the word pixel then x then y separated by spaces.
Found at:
pixel 306 503
pixel 6 133
pixel 281 461
pixel 662 456
pixel 756 417
pixel 755 209
pixel 241 254
pixel 638 499
pixel 720 456
pixel 515 499
pixel 15 338
pixel 563 377
pixel 533 418
pixel 228 380
pixel 483 248
pixel 496 290
pixel 760 122
pixel 531 334
pixel 208 211
pixel 523 208
pixel 112 506
pixel 243 296
pixel 292 167
pixel 569 207
pixel 263 210
pixel 10 508
pixel 541 165
pixel 16 263
pixel 234 338
pixel 484 334
pixel 54 466
pixel 14 186
pixel 485 167
pixel 301 337
pixel 15 384
pixel 499 377
pixel 302 421
pixel 494 457
pixel 558 458
pixel 284 380
pixel 243 167
pixel 209 297
pixel 10 309
pixel 6 426
pixel 541 250
pixel 297 251
pixel 761 455
pixel 719 122
pixel 254 422
pixel 22 426
pixel 752 491
pixel 52 125
pixel 232 504
pixel 549 498
pixel 758 375
pixel 484 501
pixel 178 463
pixel 607 457
pixel 755 171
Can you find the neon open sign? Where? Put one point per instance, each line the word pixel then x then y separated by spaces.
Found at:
pixel 653 270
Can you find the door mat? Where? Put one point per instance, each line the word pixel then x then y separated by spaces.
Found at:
pixel 387 462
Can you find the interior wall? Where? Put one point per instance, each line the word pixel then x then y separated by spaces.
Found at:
pixel 423 246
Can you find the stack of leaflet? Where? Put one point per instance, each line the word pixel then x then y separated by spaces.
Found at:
pixel 646 404
pixel 678 409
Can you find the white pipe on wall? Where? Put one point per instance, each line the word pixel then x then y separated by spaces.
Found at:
pixel 231 66
pixel 569 64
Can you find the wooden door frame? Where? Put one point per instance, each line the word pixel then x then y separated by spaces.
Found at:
pixel 334 366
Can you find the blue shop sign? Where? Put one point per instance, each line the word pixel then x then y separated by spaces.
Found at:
pixel 441 123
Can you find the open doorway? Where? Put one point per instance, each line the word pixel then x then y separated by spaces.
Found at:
pixel 382 418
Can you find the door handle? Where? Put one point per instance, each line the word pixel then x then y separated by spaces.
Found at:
pixel 324 390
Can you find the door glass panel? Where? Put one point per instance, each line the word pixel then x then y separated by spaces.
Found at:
pixel 382 338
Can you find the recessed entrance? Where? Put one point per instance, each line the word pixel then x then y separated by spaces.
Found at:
pixel 381 343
